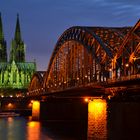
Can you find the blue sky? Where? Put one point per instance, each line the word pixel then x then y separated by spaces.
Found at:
pixel 43 21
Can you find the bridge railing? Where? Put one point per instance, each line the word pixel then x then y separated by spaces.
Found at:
pixel 124 78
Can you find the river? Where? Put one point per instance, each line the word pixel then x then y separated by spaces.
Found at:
pixel 117 120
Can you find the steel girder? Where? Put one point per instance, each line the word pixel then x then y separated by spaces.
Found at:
pixel 83 55
pixel 127 57
pixel 97 52
pixel 36 84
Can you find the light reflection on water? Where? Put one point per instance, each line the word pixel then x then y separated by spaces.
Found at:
pixel 18 128
pixel 106 120
pixel 35 132
pixel 97 119
pixel 21 129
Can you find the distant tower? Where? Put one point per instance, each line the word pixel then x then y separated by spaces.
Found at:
pixel 17 51
pixel 3 49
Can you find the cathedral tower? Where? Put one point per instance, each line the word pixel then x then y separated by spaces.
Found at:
pixel 3 49
pixel 16 74
pixel 17 51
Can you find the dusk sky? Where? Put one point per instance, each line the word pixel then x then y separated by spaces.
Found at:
pixel 43 21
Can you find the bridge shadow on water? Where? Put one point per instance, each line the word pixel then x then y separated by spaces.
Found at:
pixel 123 121
pixel 113 120
pixel 66 130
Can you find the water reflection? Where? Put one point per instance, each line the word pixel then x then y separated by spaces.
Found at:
pixel 97 119
pixel 112 121
pixel 33 131
pixel 36 131
pixel 11 129
pixel 18 128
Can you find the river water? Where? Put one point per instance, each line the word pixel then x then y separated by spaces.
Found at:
pixel 106 121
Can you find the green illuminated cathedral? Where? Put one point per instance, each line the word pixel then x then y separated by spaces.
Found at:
pixel 15 73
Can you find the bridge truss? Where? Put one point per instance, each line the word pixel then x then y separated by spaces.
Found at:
pixel 89 55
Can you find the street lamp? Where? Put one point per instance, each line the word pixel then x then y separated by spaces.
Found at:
pixel 127 65
pixel 86 76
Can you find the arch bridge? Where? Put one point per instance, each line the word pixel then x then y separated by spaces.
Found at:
pixel 90 57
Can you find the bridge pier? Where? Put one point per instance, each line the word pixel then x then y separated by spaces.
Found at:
pixel 60 109
pixel 36 110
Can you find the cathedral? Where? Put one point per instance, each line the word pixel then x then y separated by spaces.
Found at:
pixel 15 73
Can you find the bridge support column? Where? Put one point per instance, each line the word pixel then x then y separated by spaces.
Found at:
pixel 35 110
pixel 64 109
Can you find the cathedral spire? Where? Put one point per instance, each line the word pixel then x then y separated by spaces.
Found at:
pixel 1 29
pixel 17 52
pixel 3 49
pixel 17 31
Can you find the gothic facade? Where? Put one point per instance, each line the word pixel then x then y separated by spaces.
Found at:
pixel 15 73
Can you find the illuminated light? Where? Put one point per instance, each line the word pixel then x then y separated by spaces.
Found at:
pixel 86 76
pixel 11 96
pixel 77 78
pixel 10 105
pixel 97 119
pixel 65 82
pixel 86 100
pixel 35 110
pixel 12 71
pixel 127 65
pixel 2 96
pixel 109 97
pixel 96 104
pixel 32 124
pixel 59 83
pixel 134 58
pixel 32 101
pixel 29 105
pixel 110 69
pixel 55 85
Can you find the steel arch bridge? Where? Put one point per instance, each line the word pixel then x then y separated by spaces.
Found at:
pixel 36 84
pixel 89 55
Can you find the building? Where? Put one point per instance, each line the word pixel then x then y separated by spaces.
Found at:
pixel 15 74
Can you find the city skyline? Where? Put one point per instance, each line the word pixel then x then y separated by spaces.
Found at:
pixel 43 22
